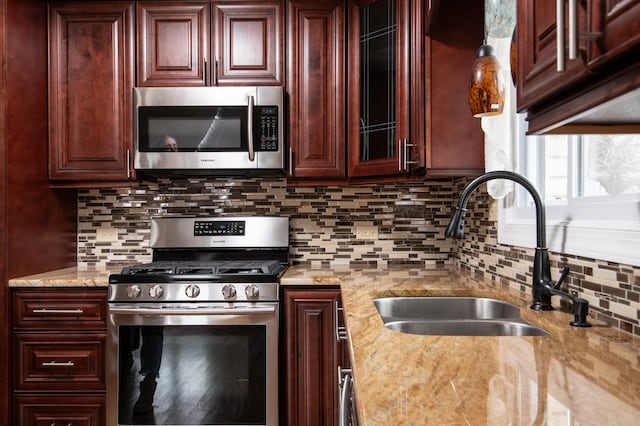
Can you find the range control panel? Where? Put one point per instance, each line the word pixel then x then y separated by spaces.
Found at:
pixel 230 227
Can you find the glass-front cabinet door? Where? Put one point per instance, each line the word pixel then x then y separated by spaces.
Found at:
pixel 379 81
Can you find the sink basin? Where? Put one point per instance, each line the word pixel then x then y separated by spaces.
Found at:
pixel 454 316
pixel 468 328
pixel 444 308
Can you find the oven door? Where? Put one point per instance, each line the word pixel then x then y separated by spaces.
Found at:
pixel 195 365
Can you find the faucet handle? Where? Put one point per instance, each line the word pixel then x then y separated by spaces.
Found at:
pixel 563 275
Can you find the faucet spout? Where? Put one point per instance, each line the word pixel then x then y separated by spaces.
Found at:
pixel 500 174
pixel 542 286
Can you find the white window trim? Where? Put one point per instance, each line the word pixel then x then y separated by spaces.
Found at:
pixel 615 241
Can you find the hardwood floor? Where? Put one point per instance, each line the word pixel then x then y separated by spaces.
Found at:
pixel 207 376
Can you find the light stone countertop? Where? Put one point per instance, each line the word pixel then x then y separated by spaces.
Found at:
pixel 575 376
pixel 68 277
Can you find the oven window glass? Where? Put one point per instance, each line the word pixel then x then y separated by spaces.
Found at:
pixel 190 129
pixel 192 375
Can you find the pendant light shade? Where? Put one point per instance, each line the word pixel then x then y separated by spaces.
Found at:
pixel 486 86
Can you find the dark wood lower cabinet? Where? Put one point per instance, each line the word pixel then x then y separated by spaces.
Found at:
pixel 47 410
pixel 312 356
pixel 58 340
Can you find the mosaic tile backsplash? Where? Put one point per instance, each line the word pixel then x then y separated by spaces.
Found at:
pixel 410 217
pixel 323 220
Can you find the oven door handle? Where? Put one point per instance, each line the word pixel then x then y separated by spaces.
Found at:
pixel 193 311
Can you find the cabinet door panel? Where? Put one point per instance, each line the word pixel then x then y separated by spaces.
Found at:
pixel 248 43
pixel 379 81
pixel 538 78
pixel 90 82
pixel 312 357
pixel 316 87
pixel 455 141
pixel 77 410
pixel 618 24
pixel 56 362
pixel 173 43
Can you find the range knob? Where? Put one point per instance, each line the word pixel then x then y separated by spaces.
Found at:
pixel 228 291
pixel 133 291
pixel 192 290
pixel 252 291
pixel 156 291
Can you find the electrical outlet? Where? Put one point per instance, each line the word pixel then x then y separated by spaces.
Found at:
pixel 106 234
pixel 366 232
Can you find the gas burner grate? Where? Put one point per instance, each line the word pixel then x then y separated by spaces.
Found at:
pixel 205 268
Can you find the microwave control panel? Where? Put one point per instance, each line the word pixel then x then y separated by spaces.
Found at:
pixel 266 128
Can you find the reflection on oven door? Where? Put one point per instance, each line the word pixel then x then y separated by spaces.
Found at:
pixel 192 375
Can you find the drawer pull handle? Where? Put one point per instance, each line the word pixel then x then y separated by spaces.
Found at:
pixel 341 330
pixel 58 364
pixel 68 424
pixel 58 311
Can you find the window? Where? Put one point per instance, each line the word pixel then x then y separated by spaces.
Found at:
pixel 591 188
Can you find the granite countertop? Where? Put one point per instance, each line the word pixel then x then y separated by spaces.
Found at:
pixel 68 277
pixel 575 376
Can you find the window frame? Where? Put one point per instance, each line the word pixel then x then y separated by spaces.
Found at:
pixel 582 227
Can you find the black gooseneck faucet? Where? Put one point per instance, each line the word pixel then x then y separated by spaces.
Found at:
pixel 542 287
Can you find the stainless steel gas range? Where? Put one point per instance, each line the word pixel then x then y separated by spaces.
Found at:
pixel 193 335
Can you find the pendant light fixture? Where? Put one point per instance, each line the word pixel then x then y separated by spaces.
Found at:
pixel 486 85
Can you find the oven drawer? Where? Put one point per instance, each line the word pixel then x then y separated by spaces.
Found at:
pixel 76 410
pixel 59 362
pixel 60 310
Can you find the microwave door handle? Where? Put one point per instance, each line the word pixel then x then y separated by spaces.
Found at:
pixel 252 154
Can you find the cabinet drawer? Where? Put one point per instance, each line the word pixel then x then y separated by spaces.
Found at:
pixel 60 310
pixel 60 411
pixel 57 362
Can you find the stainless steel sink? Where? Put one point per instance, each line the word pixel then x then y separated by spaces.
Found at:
pixel 444 308
pixel 468 328
pixel 454 316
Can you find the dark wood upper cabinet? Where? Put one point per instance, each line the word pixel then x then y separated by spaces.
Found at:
pixel 90 84
pixel 539 77
pixel 248 42
pixel 210 43
pixel 454 138
pixel 599 90
pixel 379 127
pixel 403 95
pixel 173 43
pixel 316 89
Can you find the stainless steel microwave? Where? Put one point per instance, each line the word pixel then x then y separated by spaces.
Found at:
pixel 208 130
